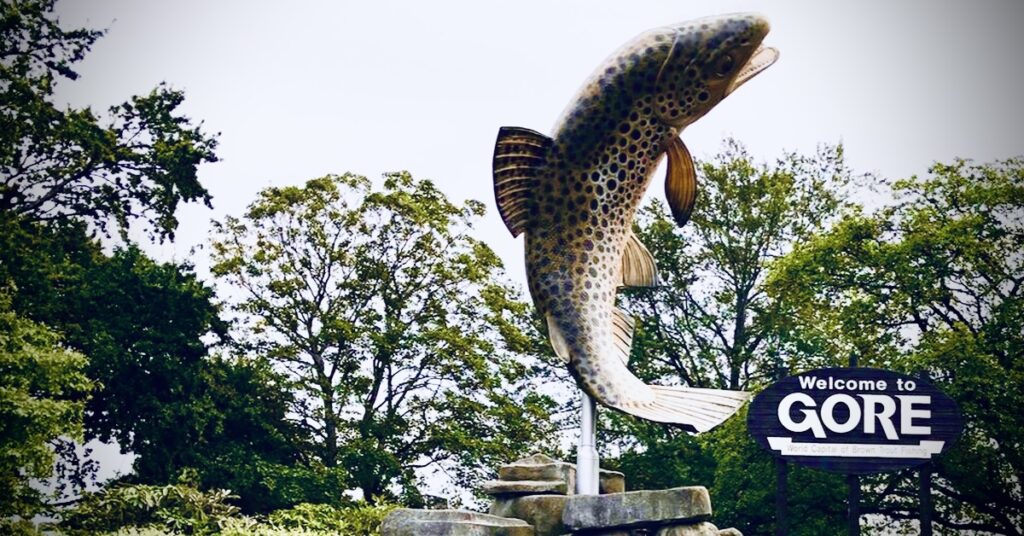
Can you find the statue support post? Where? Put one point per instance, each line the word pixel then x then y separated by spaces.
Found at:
pixel 588 478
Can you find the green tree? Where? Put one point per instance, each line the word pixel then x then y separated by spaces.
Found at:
pixel 43 389
pixel 932 283
pixel 140 322
pixel 704 325
pixel 161 394
pixel 709 323
pixel 394 324
pixel 138 163
pixel 744 484
pixel 66 173
pixel 249 444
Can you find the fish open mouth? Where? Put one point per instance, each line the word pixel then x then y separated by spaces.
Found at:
pixel 761 59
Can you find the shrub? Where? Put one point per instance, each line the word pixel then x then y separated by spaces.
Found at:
pixel 176 508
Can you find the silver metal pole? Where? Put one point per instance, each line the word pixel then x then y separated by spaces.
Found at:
pixel 587 463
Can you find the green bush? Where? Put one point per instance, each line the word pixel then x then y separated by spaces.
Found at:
pixel 140 510
pixel 322 517
pixel 18 527
pixel 365 520
pixel 357 520
pixel 176 508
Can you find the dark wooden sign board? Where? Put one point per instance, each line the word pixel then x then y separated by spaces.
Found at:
pixel 854 420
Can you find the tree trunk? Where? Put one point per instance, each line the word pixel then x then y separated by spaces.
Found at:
pixel 330 430
pixel 739 341
pixel 371 492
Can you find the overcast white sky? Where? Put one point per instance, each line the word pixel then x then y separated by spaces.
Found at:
pixel 301 89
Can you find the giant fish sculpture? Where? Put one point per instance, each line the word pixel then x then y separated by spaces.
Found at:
pixel 574 195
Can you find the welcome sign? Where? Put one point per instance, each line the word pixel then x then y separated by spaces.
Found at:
pixel 854 420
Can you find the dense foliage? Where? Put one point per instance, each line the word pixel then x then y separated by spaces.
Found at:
pixel 181 508
pixel 371 339
pixel 711 324
pixel 933 283
pixel 394 324
pixel 707 324
pixel 137 163
pixel 43 388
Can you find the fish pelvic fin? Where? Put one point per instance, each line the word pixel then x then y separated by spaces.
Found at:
pixel 557 339
pixel 622 334
pixel 697 410
pixel 519 154
pixel 638 268
pixel 680 181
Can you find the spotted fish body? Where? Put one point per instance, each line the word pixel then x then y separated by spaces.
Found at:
pixel 574 196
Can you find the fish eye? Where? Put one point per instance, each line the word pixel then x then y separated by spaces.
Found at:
pixel 726 65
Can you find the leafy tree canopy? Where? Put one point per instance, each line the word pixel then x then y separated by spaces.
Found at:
pixel 160 393
pixel 709 324
pixel 705 325
pixel 43 390
pixel 146 358
pixel 394 324
pixel 137 163
pixel 934 284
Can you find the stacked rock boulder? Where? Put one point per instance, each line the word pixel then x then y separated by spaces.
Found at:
pixel 537 488
pixel 409 522
pixel 536 496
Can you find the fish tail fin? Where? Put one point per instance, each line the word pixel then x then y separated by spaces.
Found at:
pixel 698 410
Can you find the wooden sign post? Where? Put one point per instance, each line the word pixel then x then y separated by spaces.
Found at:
pixel 855 421
pixel 853 485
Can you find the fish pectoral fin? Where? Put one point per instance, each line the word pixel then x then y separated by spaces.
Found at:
pixel 680 181
pixel 557 339
pixel 518 155
pixel 622 331
pixel 638 268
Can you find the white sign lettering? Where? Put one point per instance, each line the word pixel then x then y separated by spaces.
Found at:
pixel 922 450
pixel 868 412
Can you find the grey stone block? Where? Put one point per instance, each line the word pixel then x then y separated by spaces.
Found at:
pixel 410 522
pixel 539 467
pixel 612 482
pixel 542 468
pixel 637 509
pixel 697 529
pixel 525 487
pixel 544 512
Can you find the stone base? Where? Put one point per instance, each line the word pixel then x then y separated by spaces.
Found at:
pixel 535 496
pixel 544 512
pixel 410 522
pixel 637 509
pixel 539 474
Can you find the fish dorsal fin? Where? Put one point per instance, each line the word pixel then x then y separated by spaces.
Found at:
pixel 518 155
pixel 557 339
pixel 638 269
pixel 680 181
pixel 622 333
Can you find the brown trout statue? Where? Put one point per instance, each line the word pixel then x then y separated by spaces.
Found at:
pixel 574 195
